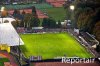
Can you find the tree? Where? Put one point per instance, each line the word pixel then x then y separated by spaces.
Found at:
pixel 34 22
pixel 45 23
pixel 49 23
pixel 22 23
pixel 16 12
pixel 96 31
pixel 34 11
pixel 98 48
pixel 52 23
pixel 27 19
pixel 87 15
pixel 16 23
pixel 85 19
pixel 59 24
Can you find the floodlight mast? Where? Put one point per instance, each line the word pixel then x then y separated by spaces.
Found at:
pixel 72 7
pixel 19 52
pixel 2 10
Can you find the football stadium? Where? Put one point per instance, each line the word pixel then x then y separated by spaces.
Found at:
pixel 41 32
pixel 51 45
pixel 43 45
pixel 47 45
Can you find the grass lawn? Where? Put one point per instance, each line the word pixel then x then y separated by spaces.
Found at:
pixel 56 13
pixel 22 6
pixel 2 60
pixel 52 45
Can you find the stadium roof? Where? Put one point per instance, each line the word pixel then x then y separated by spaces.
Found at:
pixel 2 20
pixel 8 34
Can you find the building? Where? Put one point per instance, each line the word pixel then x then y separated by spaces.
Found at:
pixel 8 35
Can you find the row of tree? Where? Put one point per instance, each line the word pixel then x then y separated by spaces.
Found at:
pixel 51 23
pixel 87 16
pixel 29 20
pixel 26 19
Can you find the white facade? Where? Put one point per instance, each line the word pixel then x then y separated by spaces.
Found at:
pixel 8 34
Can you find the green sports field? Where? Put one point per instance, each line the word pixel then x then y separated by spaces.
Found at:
pixel 56 13
pixel 52 45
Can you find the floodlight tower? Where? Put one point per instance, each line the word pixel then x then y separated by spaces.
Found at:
pixel 72 8
pixel 2 10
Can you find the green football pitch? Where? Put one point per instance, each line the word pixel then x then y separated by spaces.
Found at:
pixel 56 13
pixel 52 45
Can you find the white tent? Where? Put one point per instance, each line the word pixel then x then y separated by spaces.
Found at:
pixel 8 34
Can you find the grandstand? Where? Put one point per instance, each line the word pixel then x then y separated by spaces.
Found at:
pixel 8 35
pixel 90 40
